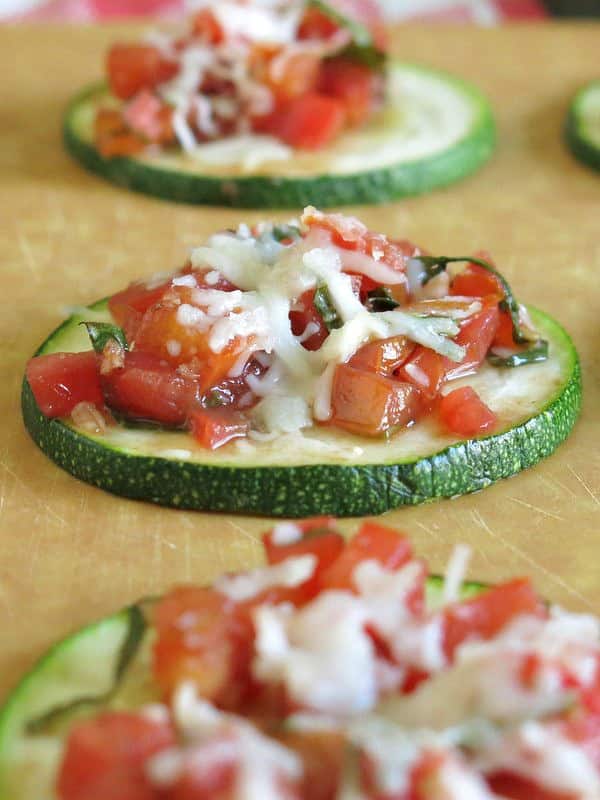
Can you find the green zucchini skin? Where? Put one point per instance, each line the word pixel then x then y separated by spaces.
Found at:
pixel 342 490
pixel 575 135
pixel 263 191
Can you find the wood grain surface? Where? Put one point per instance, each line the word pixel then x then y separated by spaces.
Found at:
pixel 69 552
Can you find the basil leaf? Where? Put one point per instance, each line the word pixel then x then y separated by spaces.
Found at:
pixel 363 47
pixel 282 232
pixel 531 355
pixel 102 332
pixel 131 643
pixel 326 309
pixel 381 299
pixel 434 265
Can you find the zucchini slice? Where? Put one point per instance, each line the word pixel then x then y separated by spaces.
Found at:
pixel 434 130
pixel 83 665
pixel 582 129
pixel 324 470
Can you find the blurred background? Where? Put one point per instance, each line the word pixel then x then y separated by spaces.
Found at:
pixel 483 12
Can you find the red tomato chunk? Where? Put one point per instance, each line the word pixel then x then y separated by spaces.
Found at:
pixel 62 380
pixel 464 413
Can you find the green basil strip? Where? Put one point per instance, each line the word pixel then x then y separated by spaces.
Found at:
pixel 326 309
pixel 531 355
pixel 362 48
pixel 282 232
pixel 434 265
pixel 102 332
pixel 131 643
pixel 381 299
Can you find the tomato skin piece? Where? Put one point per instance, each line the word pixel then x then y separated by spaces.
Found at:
pixel 426 369
pixel 214 427
pixel 293 77
pixel 485 615
pixel 371 405
pixel 105 757
pixel 357 86
pixel 308 122
pixel 59 381
pixel 514 787
pixel 206 638
pixel 463 412
pixel 477 335
pixel 132 67
pixel 372 541
pixel 146 388
pixel 384 356
pixel 305 314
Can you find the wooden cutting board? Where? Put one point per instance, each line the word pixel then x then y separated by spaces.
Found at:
pixel 69 552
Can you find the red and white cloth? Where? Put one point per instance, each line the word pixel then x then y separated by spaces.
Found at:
pixel 484 12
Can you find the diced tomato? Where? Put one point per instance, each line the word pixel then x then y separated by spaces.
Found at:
pixel 371 405
pixel 120 144
pixel 322 754
pixel 60 381
pixel 105 757
pixel 132 67
pixel 149 117
pixel 292 74
pixel 305 314
pixel 373 541
pixel 426 369
pixel 107 122
pixel 463 412
pixel 359 87
pixel 209 772
pixel 316 25
pixel 504 333
pixel 383 356
pixel 206 26
pixel 146 388
pixel 309 122
pixel 505 784
pixel 129 305
pixel 320 540
pixel 214 427
pixel 476 281
pixel 485 615
pixel 477 335
pixel 235 393
pixel 203 637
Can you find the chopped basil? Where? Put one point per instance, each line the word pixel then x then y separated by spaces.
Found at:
pixel 362 47
pixel 381 299
pixel 326 309
pixel 531 355
pixel 131 643
pixel 434 265
pixel 282 232
pixel 102 332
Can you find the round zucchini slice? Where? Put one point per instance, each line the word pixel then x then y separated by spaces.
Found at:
pixel 322 470
pixel 583 125
pixel 434 130
pixel 104 665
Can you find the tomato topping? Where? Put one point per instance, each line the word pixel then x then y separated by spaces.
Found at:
pixel 132 67
pixel 209 772
pixel 128 306
pixel 105 757
pixel 60 381
pixel 292 74
pixel 316 25
pixel 146 388
pixel 203 637
pixel 505 784
pixel 305 314
pixel 477 335
pixel 322 754
pixel 373 541
pixel 383 356
pixel 214 427
pixel 120 144
pixel 504 333
pixel 426 369
pixel 463 412
pixel 476 281
pixel 206 26
pixel 310 121
pixel 485 615
pixel 356 85
pixel 317 537
pixel 371 405
pixel 147 116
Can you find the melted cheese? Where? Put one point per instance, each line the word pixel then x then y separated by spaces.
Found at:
pixel 289 573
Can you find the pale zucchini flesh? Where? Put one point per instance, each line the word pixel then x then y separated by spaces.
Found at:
pixel 434 129
pixel 323 470
pixel 583 124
